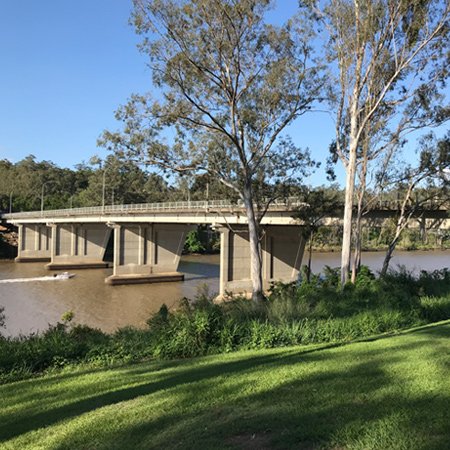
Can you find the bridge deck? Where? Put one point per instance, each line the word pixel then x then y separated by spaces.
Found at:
pixel 200 212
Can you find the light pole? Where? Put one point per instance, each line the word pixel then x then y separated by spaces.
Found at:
pixel 10 202
pixel 103 191
pixel 42 196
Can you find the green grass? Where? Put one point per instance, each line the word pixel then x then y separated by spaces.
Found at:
pixel 390 393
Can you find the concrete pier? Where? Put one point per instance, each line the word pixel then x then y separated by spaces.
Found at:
pixel 147 253
pixel 35 242
pixel 282 253
pixel 78 246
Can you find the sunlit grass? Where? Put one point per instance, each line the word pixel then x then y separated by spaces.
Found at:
pixel 387 394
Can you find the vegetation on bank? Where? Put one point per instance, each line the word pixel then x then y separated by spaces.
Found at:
pixel 386 394
pixel 329 238
pixel 311 313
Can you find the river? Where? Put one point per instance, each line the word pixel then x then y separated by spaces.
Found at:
pixel 30 305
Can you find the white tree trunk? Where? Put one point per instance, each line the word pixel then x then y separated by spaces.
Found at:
pixel 348 211
pixel 255 246
pixel 356 266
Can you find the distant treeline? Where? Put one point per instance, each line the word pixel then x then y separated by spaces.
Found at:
pixel 23 185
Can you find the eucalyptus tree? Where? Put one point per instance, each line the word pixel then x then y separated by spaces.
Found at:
pixel 229 86
pixel 432 169
pixel 371 181
pixel 388 58
pixel 318 204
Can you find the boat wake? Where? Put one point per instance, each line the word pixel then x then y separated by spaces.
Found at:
pixel 24 280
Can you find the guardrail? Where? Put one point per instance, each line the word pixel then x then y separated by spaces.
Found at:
pixel 146 207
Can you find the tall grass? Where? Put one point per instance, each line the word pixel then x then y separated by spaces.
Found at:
pixel 310 313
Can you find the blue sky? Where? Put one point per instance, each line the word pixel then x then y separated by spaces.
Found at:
pixel 66 65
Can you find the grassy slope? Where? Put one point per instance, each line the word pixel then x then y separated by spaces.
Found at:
pixel 387 394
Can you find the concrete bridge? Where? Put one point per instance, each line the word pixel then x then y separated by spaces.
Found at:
pixel 148 238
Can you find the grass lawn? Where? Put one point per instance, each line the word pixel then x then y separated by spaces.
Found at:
pixel 386 394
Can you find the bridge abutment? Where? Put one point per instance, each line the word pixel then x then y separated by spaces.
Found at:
pixel 147 253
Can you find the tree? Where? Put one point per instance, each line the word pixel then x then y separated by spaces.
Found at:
pixel 230 86
pixel 372 177
pixel 433 166
pixel 389 58
pixel 318 204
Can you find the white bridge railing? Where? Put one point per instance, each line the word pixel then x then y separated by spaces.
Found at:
pixel 147 207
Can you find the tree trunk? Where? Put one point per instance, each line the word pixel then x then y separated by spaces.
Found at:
pixel 391 247
pixel 387 258
pixel 311 238
pixel 255 246
pixel 348 211
pixel 356 267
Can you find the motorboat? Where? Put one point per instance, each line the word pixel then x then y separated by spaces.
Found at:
pixel 64 275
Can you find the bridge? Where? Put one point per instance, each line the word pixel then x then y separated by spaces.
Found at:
pixel 148 239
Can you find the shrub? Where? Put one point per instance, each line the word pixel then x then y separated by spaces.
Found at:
pixel 307 313
pixel 193 243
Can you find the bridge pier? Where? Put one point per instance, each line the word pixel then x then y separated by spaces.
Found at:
pixel 35 242
pixel 78 246
pixel 147 253
pixel 282 253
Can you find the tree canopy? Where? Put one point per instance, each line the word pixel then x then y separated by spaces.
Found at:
pixel 388 60
pixel 230 84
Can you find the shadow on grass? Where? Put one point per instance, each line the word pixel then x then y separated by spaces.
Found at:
pixel 337 399
pixel 76 408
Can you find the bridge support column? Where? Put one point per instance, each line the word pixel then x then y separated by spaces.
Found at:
pixel 147 253
pixel 78 246
pixel 282 253
pixel 35 242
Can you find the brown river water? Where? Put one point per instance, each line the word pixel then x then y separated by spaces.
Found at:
pixel 32 299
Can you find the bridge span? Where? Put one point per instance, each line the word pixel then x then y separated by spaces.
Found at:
pixel 148 238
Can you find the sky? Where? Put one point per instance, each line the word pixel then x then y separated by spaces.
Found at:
pixel 67 65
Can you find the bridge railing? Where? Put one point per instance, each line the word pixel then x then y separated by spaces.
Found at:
pixel 146 207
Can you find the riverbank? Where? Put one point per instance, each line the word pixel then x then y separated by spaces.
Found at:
pixel 307 314
pixel 387 394
pixel 30 307
pixel 9 241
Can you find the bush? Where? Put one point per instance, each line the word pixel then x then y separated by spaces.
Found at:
pixel 193 243
pixel 308 313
